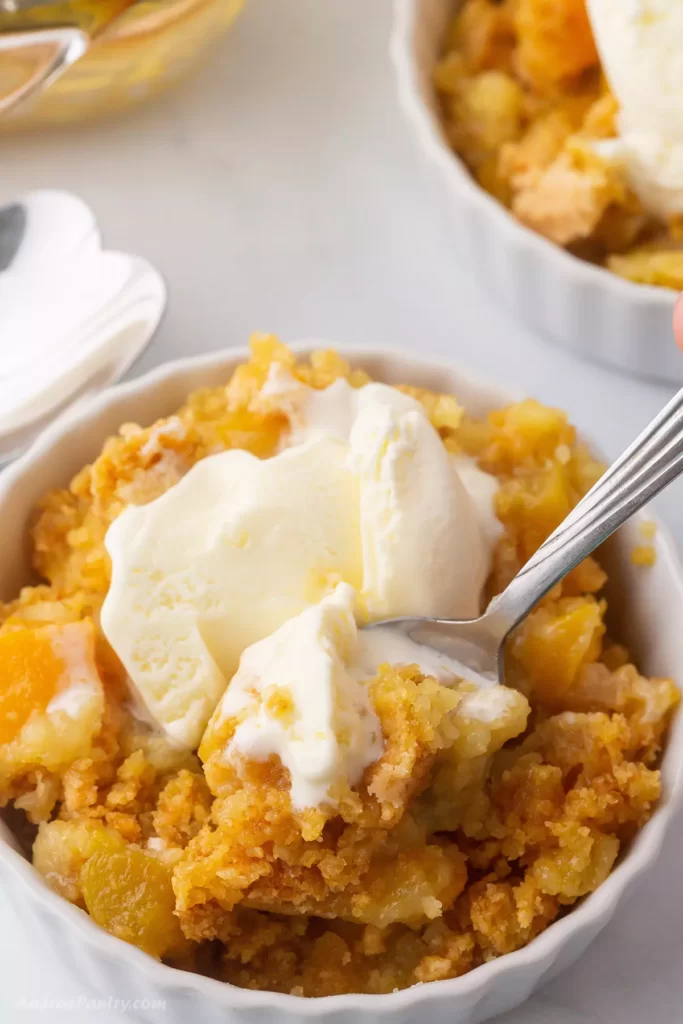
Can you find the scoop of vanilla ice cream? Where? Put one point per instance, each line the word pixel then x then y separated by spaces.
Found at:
pixel 302 694
pixel 220 561
pixel 310 411
pixel 322 726
pixel 641 48
pixel 423 550
pixel 366 494
pixel 481 488
pixel 428 527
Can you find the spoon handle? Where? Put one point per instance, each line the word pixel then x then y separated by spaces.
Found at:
pixel 41 39
pixel 653 460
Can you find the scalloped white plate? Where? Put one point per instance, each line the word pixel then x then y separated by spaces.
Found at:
pixel 73 317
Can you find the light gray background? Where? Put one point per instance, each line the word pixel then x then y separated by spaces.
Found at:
pixel 280 190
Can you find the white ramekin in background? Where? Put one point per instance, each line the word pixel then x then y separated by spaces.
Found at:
pixel 582 307
pixel 653 600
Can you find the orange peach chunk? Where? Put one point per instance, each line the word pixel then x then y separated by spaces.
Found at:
pixel 556 641
pixel 556 40
pixel 128 892
pixel 51 698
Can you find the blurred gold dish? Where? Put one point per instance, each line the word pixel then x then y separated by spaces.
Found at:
pixel 145 49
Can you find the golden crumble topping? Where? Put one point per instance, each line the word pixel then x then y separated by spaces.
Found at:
pixel 524 102
pixel 464 840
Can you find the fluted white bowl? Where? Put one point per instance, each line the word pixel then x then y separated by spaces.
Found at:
pixel 585 308
pixel 651 598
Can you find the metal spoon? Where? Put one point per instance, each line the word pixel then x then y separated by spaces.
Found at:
pixel 12 231
pixel 651 463
pixel 41 39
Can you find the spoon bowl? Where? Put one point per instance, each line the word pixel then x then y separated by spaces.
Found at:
pixel 650 463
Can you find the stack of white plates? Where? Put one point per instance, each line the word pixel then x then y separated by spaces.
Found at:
pixel 73 317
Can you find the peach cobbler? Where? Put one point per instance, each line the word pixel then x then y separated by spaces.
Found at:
pixel 204 750
pixel 568 112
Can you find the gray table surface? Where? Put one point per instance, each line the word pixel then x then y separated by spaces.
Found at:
pixel 280 190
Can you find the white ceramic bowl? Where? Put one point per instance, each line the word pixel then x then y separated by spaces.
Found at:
pixel 112 968
pixel 583 307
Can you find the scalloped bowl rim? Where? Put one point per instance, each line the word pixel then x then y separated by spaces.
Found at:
pixel 598 907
